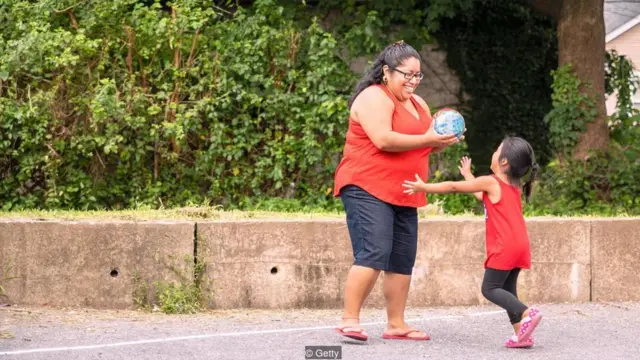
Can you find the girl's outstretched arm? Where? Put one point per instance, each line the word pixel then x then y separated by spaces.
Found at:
pixel 479 184
pixel 465 171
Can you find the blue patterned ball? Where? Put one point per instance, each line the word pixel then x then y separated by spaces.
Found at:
pixel 448 121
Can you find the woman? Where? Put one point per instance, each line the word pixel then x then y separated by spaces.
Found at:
pixel 389 140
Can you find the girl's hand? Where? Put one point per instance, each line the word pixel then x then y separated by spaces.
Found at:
pixel 413 186
pixel 465 167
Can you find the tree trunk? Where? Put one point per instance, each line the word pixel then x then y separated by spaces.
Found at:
pixel 581 43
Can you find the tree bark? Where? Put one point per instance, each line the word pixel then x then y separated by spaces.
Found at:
pixel 581 43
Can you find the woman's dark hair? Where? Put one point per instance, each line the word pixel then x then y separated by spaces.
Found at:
pixel 393 55
pixel 519 153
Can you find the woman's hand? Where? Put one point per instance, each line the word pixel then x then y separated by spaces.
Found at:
pixel 440 141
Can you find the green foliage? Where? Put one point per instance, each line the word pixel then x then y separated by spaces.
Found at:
pixel 140 292
pixel 365 27
pixel 621 80
pixel 606 182
pixel 179 298
pixel 440 10
pixel 572 110
pixel 190 294
pixel 503 53
pixel 147 104
pixel 127 103
pixel 444 167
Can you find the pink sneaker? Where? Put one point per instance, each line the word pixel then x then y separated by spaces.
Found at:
pixel 529 324
pixel 513 342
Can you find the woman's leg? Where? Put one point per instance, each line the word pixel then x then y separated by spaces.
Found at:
pixel 398 276
pixel 370 224
pixel 360 281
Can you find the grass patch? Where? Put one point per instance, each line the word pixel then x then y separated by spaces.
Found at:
pixel 433 210
pixel 191 293
pixel 188 293
pixel 5 276
pixel 190 213
pixel 6 334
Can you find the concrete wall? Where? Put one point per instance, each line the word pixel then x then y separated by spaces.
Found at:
pixel 615 257
pixel 296 264
pixel 92 264
pixel 312 260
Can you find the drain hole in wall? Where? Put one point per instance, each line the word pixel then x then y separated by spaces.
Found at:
pixel 274 270
pixel 115 272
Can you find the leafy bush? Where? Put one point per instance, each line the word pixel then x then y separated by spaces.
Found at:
pixel 120 104
pixel 608 181
pixel 148 103
pixel 571 112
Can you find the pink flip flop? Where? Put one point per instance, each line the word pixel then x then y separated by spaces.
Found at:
pixel 356 335
pixel 529 324
pixel 404 336
pixel 513 342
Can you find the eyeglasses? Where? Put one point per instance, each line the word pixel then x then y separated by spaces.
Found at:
pixel 408 76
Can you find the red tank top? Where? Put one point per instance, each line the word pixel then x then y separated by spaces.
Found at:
pixel 382 173
pixel 507 239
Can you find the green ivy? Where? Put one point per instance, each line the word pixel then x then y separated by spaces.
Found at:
pixel 444 167
pixel 621 80
pixel 572 111
pixel 607 181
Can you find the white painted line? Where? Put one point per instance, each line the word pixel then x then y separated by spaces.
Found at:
pixel 240 333
pixel 489 313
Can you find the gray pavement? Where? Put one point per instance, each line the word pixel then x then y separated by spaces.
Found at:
pixel 568 331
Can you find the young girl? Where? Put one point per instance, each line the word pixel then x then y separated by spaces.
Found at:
pixel 507 240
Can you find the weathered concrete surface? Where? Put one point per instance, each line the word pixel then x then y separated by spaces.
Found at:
pixel 448 267
pixel 71 263
pixel 615 259
pixel 287 264
pixel 561 262
pixel 276 264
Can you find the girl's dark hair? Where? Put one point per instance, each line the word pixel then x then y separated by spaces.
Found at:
pixel 519 153
pixel 393 55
